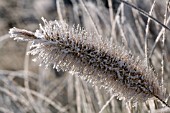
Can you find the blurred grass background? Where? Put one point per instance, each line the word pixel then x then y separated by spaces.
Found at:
pixel 27 88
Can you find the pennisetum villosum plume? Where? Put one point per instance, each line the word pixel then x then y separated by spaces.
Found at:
pixel 75 50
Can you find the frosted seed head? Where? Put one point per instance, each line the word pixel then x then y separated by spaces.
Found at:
pixel 83 55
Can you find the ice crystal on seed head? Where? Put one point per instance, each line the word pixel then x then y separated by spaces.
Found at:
pixel 75 50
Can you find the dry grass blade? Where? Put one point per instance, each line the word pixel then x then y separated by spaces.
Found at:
pixel 145 14
pixel 163 41
pixel 56 106
pixel 106 104
pixel 147 32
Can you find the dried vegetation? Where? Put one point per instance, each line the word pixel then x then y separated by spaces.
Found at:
pixel 25 87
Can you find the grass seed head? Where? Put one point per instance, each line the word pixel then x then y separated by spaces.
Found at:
pixel 81 53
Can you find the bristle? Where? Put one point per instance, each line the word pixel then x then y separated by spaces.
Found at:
pixel 77 51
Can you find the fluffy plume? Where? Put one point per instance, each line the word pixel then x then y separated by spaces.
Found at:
pixel 81 53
